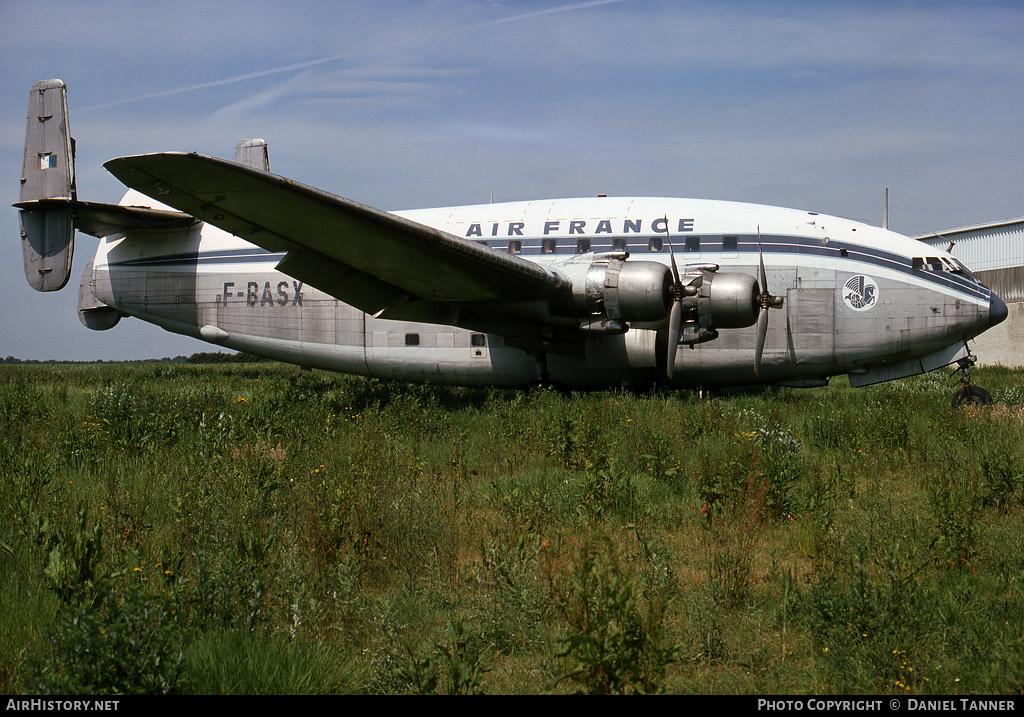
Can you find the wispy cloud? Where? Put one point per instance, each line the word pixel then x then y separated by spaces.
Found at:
pixel 310 64
pixel 295 67
pixel 547 11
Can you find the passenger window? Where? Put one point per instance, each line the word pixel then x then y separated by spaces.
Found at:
pixel 692 244
pixel 515 247
pixel 730 246
pixel 478 340
pixel 618 245
pixel 412 339
pixel 582 246
pixel 654 244
pixel 547 246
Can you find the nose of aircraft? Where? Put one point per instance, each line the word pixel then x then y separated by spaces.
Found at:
pixel 996 310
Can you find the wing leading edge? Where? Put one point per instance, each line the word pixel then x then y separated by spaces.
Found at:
pixel 378 262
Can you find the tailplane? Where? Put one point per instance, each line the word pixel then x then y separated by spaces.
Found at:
pixel 48 189
pixel 48 208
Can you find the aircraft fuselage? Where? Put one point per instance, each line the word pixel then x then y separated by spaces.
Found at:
pixel 857 299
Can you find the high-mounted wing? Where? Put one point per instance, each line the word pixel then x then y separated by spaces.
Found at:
pixel 368 258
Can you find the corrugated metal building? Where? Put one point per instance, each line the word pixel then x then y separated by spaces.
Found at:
pixel 995 253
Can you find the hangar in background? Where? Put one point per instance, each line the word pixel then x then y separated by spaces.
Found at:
pixel 995 253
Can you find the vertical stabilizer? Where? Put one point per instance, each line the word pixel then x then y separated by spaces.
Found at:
pixel 47 189
pixel 253 153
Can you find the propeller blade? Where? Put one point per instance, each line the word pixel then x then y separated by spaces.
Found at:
pixel 762 275
pixel 672 253
pixel 674 324
pixel 762 334
pixel 767 302
pixel 675 316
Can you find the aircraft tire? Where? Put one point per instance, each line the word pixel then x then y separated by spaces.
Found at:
pixel 971 396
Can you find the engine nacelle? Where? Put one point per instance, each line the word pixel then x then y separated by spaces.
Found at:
pixel 614 289
pixel 608 292
pixel 726 301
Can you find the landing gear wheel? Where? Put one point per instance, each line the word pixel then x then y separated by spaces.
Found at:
pixel 971 396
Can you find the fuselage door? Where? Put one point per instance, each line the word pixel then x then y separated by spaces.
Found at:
pixel 478 346
pixel 810 323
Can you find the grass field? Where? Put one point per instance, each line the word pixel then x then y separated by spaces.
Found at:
pixel 258 529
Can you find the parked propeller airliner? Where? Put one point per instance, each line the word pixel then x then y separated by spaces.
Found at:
pixel 585 293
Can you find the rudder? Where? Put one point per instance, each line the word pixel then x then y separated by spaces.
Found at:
pixel 46 206
pixel 253 153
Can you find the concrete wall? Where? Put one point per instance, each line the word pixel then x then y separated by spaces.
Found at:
pixel 995 253
pixel 1003 344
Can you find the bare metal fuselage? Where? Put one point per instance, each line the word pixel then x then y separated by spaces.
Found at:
pixel 858 299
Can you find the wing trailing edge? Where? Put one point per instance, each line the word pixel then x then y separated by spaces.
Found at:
pixel 386 260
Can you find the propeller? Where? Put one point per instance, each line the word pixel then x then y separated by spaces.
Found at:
pixel 675 316
pixel 767 301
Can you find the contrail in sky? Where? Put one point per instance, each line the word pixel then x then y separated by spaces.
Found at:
pixel 218 83
pixel 325 60
pixel 549 11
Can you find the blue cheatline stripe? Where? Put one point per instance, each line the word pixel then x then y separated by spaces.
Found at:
pixel 747 245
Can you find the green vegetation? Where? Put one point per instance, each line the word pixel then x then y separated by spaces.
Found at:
pixel 253 528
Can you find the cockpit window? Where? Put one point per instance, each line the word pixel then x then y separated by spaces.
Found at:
pixel 964 271
pixel 935 263
pixel 928 263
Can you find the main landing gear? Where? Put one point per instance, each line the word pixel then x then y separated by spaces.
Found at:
pixel 969 395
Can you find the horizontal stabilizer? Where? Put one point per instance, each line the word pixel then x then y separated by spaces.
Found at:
pixel 101 220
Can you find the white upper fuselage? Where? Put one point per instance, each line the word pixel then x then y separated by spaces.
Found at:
pixel 854 299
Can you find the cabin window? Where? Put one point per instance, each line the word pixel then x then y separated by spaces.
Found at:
pixel 582 246
pixel 547 246
pixel 654 244
pixel 692 244
pixel 618 245
pixel 730 243
pixel 478 339
pixel 515 247
pixel 412 339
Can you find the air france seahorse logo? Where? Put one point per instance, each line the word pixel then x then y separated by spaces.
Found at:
pixel 860 293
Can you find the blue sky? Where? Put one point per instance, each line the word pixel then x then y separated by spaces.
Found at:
pixel 818 106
